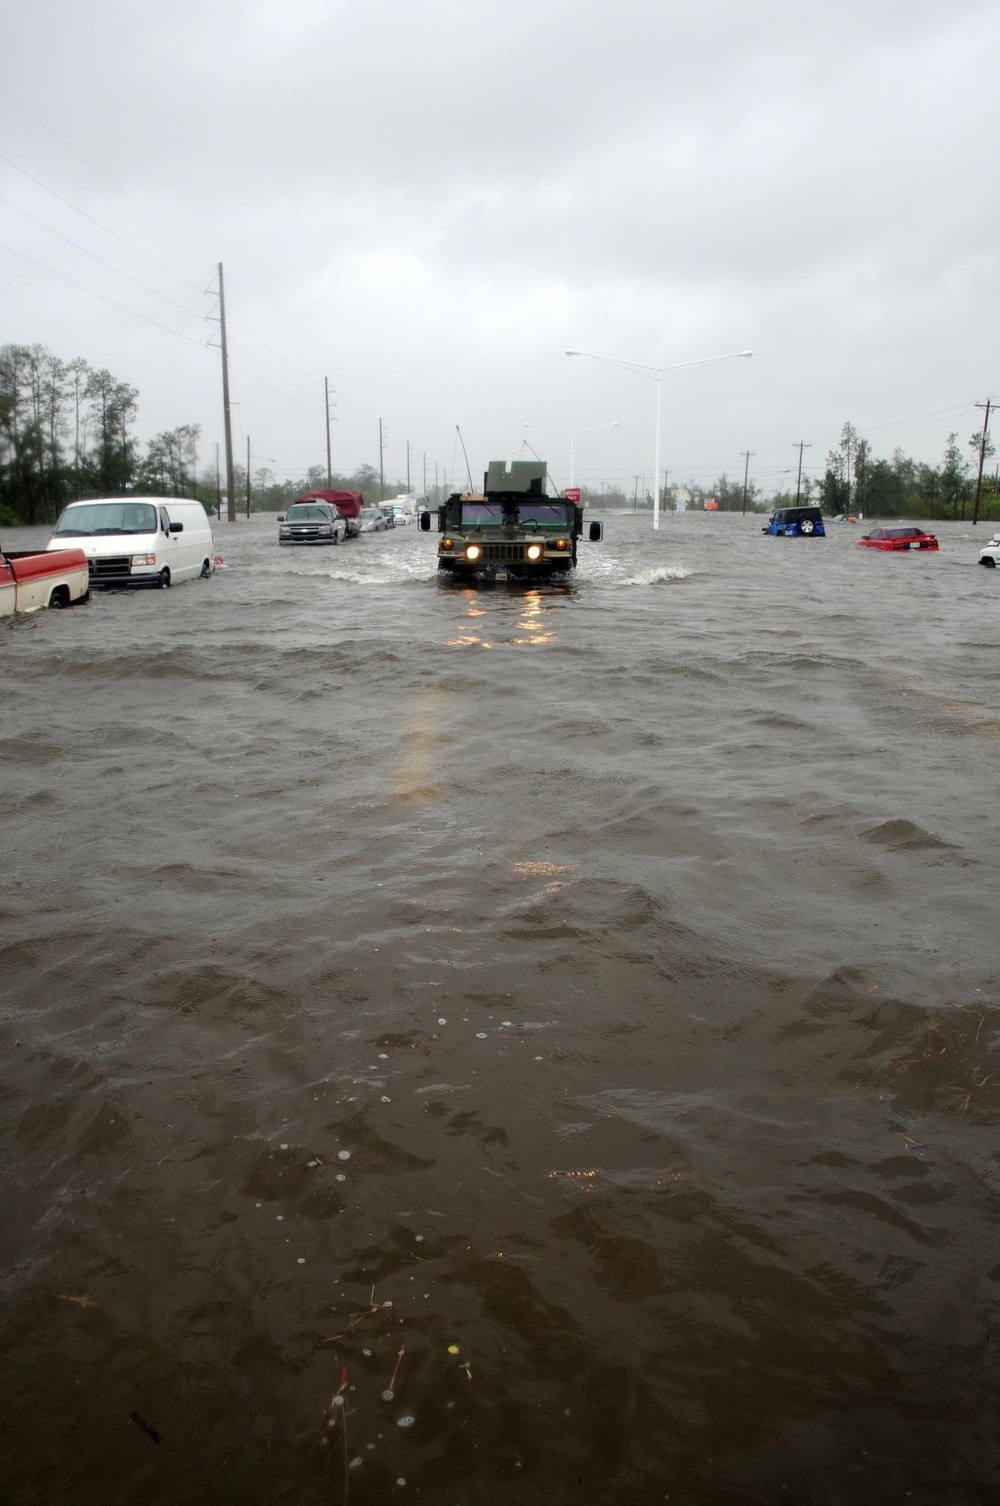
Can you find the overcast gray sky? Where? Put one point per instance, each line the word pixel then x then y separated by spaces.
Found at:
pixel 428 202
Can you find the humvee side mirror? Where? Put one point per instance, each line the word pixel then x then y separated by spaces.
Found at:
pixel 596 532
pixel 425 522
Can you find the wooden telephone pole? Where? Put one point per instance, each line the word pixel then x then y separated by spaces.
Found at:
pixel 799 445
pixel 230 483
pixel 982 456
pixel 329 459
pixel 746 475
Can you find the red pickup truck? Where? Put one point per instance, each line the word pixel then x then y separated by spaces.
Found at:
pixel 54 579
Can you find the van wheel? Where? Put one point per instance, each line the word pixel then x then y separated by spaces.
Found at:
pixel 163 580
pixel 206 569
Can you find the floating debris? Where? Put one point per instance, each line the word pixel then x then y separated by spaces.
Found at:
pixel 406 1421
pixel 145 1427
pixel 399 1361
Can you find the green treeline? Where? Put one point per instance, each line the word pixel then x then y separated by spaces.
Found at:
pixel 855 482
pixel 66 433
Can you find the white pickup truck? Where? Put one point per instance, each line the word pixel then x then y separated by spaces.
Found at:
pixel 54 579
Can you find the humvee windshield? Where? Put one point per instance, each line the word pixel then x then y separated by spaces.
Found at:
pixel 533 514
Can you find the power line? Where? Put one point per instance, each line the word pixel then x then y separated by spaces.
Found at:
pixel 104 299
pixel 77 210
pixel 104 263
pixel 99 172
pixel 128 244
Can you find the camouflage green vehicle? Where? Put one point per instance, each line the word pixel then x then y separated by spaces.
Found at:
pixel 510 530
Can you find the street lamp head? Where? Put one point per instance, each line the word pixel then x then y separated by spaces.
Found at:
pixel 572 352
pixel 745 353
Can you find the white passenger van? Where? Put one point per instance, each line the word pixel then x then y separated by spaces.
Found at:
pixel 138 541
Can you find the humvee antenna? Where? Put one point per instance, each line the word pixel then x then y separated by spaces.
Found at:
pixel 466 454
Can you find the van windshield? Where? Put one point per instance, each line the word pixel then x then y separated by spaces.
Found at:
pixel 85 519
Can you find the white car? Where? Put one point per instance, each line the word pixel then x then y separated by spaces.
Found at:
pixel 990 553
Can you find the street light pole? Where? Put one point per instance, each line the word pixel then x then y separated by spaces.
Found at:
pixel 657 373
pixel 572 440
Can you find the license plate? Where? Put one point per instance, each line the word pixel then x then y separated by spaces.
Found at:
pixel 500 575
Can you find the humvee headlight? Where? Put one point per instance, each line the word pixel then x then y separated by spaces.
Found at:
pixel 534 551
pixel 473 552
pixel 560 543
pixel 447 543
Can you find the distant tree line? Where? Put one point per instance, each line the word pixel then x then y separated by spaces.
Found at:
pixel 855 481
pixel 67 432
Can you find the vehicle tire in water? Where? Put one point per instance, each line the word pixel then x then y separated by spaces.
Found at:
pixel 992 563
pixel 59 598
pixel 806 526
pixel 206 569
pixel 163 580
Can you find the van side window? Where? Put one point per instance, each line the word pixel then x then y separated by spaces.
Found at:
pixel 164 521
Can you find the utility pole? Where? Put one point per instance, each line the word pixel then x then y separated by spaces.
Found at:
pixel 982 456
pixel 329 458
pixel 746 473
pixel 381 466
pixel 230 484
pixel 218 485
pixel 635 496
pixel 248 478
pixel 799 445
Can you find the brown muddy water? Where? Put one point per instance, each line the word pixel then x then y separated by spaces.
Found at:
pixel 510 1046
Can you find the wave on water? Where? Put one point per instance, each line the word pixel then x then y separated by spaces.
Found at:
pixel 396 574
pixel 653 576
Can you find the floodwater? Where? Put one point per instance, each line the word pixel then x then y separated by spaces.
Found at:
pixel 510 1046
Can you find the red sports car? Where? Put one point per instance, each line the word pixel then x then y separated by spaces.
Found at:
pixel 899 538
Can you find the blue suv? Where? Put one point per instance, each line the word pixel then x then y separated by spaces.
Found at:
pixel 796 522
